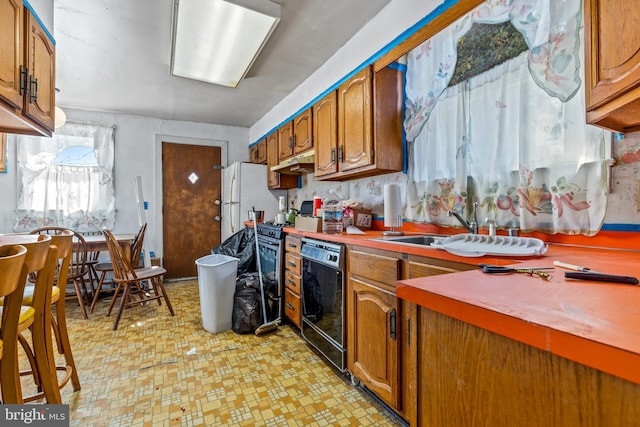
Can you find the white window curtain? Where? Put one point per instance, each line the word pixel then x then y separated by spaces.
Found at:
pixel 67 180
pixel 513 138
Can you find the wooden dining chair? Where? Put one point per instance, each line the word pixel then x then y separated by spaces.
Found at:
pixel 105 268
pixel 78 270
pixel 11 263
pixel 33 296
pixel 93 258
pixel 17 318
pixel 131 281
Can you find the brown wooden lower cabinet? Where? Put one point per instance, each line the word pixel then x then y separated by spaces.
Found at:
pixel 468 376
pixel 292 279
pixel 381 342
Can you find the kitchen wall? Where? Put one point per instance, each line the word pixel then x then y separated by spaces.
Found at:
pixel 375 37
pixel 622 207
pixel 138 143
pixel 378 36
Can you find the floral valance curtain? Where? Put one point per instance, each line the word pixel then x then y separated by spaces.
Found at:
pixel 512 138
pixel 551 30
pixel 67 180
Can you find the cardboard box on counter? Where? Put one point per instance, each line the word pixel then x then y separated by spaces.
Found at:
pixel 308 223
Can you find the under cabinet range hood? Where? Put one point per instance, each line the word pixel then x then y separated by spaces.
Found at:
pixel 301 164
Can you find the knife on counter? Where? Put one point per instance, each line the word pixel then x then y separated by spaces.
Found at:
pixel 585 273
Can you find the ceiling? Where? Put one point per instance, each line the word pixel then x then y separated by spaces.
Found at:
pixel 114 56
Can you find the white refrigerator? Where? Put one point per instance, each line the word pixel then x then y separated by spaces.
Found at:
pixel 244 185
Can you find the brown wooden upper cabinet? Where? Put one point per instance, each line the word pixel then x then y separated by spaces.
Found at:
pixel 612 64
pixel 295 137
pixel 358 128
pixel 275 180
pixel 27 72
pixel 258 152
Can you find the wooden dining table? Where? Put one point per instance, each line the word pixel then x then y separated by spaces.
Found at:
pixel 94 242
pixel 98 243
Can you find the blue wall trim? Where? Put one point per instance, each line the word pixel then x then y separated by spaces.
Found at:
pixel 620 227
pixel 35 15
pixel 395 42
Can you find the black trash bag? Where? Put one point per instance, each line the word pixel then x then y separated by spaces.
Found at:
pixel 312 298
pixel 241 245
pixel 247 309
pixel 271 295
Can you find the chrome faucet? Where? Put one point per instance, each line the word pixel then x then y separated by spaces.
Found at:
pixel 472 226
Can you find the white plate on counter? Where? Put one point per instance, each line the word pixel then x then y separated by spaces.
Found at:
pixel 476 245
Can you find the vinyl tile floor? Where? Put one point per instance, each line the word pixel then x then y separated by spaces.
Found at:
pixel 144 375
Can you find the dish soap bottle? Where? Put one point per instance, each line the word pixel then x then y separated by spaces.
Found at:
pixel 332 214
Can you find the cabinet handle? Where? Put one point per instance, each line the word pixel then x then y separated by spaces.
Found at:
pixel 292 245
pixel 294 141
pixel 291 142
pixel 392 324
pixel 33 94
pixel 290 306
pixel 292 264
pixel 23 79
pixel 333 155
pixel 291 282
pixel 340 154
pixel 408 332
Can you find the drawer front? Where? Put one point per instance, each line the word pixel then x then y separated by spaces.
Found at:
pixel 292 307
pixel 374 267
pixel 292 281
pixel 293 263
pixel 292 243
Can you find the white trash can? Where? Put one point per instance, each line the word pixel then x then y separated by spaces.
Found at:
pixel 217 281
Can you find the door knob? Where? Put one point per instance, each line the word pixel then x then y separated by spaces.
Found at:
pixel 217 218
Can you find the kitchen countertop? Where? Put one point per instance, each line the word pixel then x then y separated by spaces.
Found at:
pixel 593 323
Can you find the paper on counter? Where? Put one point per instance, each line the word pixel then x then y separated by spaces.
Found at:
pixel 354 230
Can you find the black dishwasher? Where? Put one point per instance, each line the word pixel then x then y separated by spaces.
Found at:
pixel 323 298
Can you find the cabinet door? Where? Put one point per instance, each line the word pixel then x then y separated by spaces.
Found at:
pixel 261 155
pixel 375 358
pixel 612 38
pixel 40 53
pixel 275 180
pixel 302 132
pixel 285 141
pixel 11 53
pixel 325 135
pixel 355 133
pixel 258 152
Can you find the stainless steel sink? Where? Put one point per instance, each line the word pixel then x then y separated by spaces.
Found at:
pixel 421 239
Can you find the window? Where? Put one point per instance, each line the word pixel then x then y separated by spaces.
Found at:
pixel 67 180
pixel 510 135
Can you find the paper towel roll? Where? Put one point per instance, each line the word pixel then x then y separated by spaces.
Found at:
pixel 282 204
pixel 392 205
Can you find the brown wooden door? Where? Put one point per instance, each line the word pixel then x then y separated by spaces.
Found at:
pixel 285 136
pixel 612 58
pixel 355 137
pixel 191 216
pixel 11 54
pixel 302 132
pixel 375 359
pixel 41 60
pixel 325 135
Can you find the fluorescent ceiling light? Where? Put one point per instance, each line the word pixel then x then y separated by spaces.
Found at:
pixel 216 41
